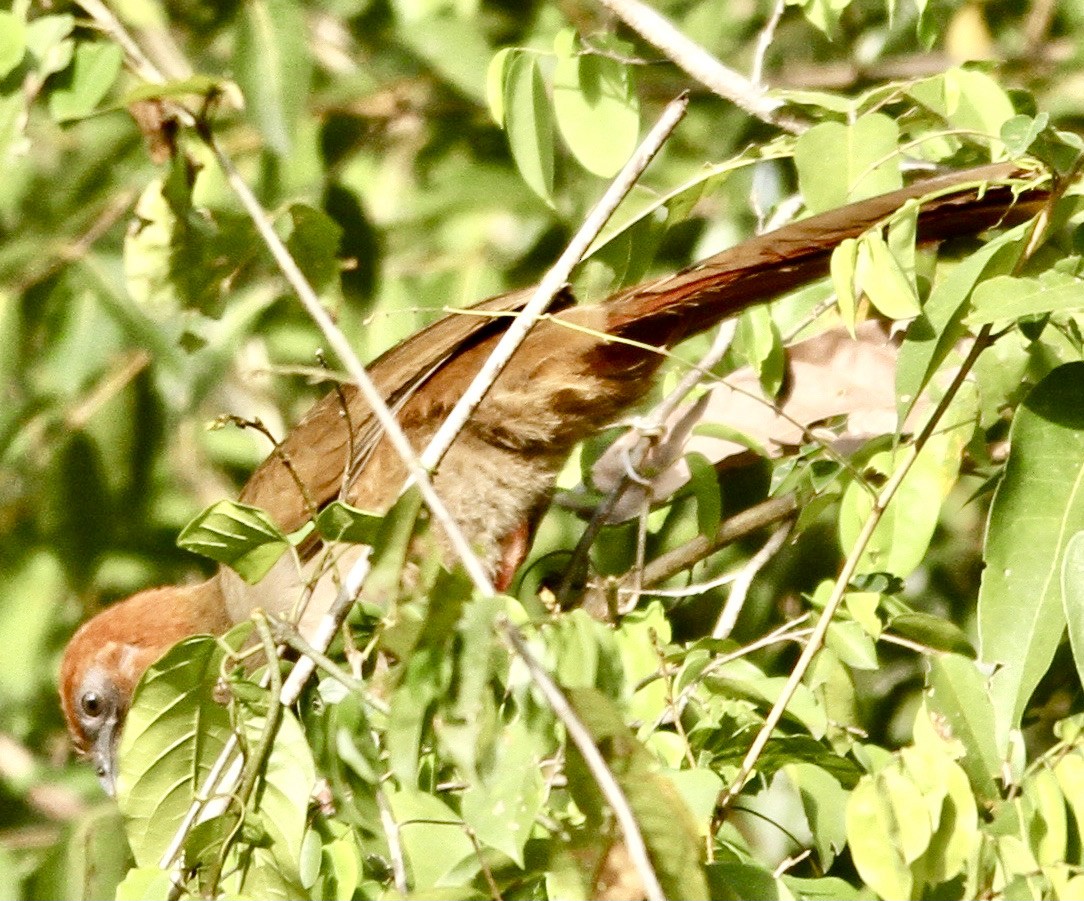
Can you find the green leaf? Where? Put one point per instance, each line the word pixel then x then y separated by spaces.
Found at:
pixel 887 828
pixel 758 340
pixel 704 483
pixel 434 841
pixel 838 164
pixel 12 41
pixel 931 337
pixel 143 883
pixel 970 101
pixel 243 537
pixel 883 280
pixel 843 266
pixel 1037 508
pixel 273 68
pixel 496 78
pixel 314 245
pixel 933 632
pixel 824 802
pixel 1010 297
pixel 529 124
pixel 172 736
pixel 48 43
pixel 338 521
pixel 958 694
pixel 501 809
pixel 95 67
pixel 669 829
pixel 455 47
pixel 1072 588
pixel 595 102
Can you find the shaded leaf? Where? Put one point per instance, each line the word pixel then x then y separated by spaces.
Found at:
pixel 94 68
pixel 529 125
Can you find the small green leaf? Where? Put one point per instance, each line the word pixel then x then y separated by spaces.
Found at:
pixel 958 694
pixel 456 48
pixel 1020 132
pixel 243 537
pixel 933 632
pixel 48 43
pixel 704 483
pixel 338 521
pixel 273 68
pixel 843 266
pixel 838 164
pixel 883 280
pixel 12 41
pixel 314 244
pixel 758 340
pixel 496 78
pixel 529 124
pixel 95 67
pixel 597 110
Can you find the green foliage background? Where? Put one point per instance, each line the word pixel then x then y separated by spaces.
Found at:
pixel 418 154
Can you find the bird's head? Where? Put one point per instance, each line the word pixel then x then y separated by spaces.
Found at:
pixel 109 653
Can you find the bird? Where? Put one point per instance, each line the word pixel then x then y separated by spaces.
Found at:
pixel 576 372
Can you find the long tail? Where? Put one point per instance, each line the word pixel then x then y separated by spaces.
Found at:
pixel 674 307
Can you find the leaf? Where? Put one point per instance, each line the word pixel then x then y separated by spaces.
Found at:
pixel 529 125
pixel 434 841
pixel 496 78
pixel 339 521
pixel 1036 509
pixel 968 100
pixel 824 802
pixel 273 68
pixel 48 43
pixel 933 632
pixel 243 537
pixel 843 266
pixel 931 337
pixel 12 41
pixel 314 245
pixel 597 109
pixel 94 68
pixel 887 828
pixel 501 809
pixel 1072 587
pixel 883 280
pixel 1009 297
pixel 455 47
pixel 957 694
pixel 838 164
pixel 758 340
pixel 173 734
pixel 704 481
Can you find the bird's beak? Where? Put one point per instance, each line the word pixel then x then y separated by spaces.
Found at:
pixel 104 756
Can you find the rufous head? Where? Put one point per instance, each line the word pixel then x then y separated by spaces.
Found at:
pixel 109 653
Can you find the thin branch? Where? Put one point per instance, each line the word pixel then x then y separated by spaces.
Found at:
pixel 764 41
pixel 743 581
pixel 395 843
pixel 592 757
pixel 729 84
pixel 552 282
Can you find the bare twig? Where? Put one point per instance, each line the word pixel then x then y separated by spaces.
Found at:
pixel 698 63
pixel 764 41
pixel 592 757
pixel 552 282
pixel 743 581
pixel 395 843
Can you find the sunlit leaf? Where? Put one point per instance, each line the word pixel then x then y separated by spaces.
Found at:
pixel 243 537
pixel 1037 508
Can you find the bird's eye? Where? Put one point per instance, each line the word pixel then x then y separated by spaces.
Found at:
pixel 92 703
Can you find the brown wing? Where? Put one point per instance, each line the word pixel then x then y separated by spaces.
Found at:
pixel 320 446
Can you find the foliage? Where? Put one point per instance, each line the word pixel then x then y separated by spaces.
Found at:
pixel 419 155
